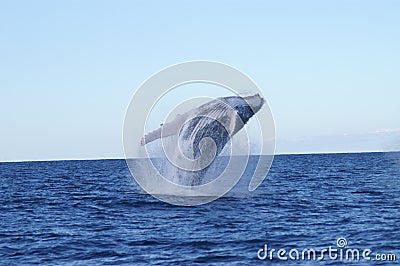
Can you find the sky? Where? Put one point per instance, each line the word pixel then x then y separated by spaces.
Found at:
pixel 68 69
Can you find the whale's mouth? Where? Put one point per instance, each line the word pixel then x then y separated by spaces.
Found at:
pixel 255 102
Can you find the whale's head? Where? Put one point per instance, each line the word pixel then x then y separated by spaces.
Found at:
pixel 255 102
pixel 245 107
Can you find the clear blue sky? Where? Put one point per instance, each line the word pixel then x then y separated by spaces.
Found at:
pixel 69 68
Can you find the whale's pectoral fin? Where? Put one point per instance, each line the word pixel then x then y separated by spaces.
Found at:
pixel 149 137
pixel 165 130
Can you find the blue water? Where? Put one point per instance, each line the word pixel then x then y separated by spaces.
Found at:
pixel 90 213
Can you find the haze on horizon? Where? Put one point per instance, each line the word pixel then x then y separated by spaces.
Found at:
pixel 329 69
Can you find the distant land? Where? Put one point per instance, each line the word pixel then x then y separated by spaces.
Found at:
pixel 379 141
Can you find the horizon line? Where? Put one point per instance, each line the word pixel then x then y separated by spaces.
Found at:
pixel 277 154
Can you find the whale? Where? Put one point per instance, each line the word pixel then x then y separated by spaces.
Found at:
pixel 203 132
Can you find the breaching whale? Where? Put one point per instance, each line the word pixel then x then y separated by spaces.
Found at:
pixel 218 120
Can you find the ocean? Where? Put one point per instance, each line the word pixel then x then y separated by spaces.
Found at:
pixel 92 212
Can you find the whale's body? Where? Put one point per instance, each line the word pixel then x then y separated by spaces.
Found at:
pixel 218 120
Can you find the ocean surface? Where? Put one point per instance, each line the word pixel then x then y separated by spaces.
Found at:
pixel 93 213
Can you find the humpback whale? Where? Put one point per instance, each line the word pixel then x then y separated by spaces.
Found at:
pixel 203 132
